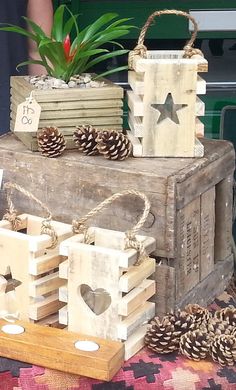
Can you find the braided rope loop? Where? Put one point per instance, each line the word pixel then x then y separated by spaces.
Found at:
pixel 79 225
pixel 11 212
pixel 141 50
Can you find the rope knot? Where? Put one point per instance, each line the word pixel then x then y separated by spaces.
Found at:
pixel 139 50
pixel 15 221
pixel 191 51
pixel 46 228
pixel 132 242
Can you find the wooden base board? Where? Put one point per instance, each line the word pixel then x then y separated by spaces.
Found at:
pixel 54 348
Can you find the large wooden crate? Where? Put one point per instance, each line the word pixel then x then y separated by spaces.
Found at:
pixel 190 218
pixel 68 108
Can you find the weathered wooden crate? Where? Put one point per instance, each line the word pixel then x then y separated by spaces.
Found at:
pixel 110 293
pixel 163 104
pixel 68 108
pixel 191 208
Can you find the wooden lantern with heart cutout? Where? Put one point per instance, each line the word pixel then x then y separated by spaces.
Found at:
pixel 163 103
pixel 29 260
pixel 108 280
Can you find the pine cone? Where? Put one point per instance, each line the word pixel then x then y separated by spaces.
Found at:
pixel 51 142
pixel 195 344
pixel 113 145
pixel 85 139
pixel 163 336
pixel 227 314
pixel 217 327
pixel 201 314
pixel 223 349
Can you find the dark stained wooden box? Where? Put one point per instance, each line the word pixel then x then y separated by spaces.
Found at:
pixel 190 217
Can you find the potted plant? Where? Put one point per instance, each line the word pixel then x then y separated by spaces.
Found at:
pixel 68 95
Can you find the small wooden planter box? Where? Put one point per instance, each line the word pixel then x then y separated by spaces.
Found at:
pixel 191 208
pixel 109 292
pixel 68 108
pixel 32 269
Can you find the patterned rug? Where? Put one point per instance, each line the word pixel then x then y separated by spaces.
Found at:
pixel 145 371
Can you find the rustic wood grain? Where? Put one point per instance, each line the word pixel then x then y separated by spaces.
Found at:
pixel 207 232
pixel 54 348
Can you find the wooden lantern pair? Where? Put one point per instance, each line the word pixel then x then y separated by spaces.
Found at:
pixel 163 104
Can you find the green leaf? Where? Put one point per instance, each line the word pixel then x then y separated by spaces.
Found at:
pixel 35 28
pixel 38 62
pixel 69 26
pixel 18 30
pixel 57 27
pixel 105 57
pixel 119 69
pixel 100 22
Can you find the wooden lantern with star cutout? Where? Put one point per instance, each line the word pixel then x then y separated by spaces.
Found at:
pixel 163 103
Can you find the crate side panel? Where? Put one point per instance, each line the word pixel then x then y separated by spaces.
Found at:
pixel 188 247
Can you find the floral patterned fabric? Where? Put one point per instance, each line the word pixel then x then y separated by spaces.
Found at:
pixel 144 371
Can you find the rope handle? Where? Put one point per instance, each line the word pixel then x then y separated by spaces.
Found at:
pixel 78 225
pixel 141 50
pixel 11 213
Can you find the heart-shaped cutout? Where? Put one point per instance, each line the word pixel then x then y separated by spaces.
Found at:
pixel 97 300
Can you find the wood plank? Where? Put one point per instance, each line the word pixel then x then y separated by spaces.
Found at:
pixel 137 149
pixel 68 105
pixel 136 274
pixel 51 320
pixel 70 122
pixel 211 287
pixel 63 315
pixel 63 293
pixel 63 269
pixel 167 57
pixel 89 266
pixel 207 232
pixel 109 91
pixel 136 125
pixel 135 342
pixel 223 218
pixel 136 81
pixel 43 345
pixel 164 297
pixel 45 285
pixel 200 107
pixel 166 134
pixel 131 323
pixel 45 263
pixel 188 248
pixel 141 293
pixel 44 308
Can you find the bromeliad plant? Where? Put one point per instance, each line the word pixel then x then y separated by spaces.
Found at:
pixel 63 58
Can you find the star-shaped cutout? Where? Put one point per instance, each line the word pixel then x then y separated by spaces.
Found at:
pixel 11 282
pixel 168 109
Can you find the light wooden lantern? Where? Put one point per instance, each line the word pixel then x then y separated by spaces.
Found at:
pixel 108 286
pixel 29 260
pixel 163 103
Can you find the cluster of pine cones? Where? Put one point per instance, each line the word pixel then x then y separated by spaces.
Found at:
pixel 197 333
pixel 111 144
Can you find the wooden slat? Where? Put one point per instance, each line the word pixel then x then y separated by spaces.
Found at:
pixel 44 346
pixel 165 289
pixel 137 149
pixel 63 269
pixel 136 274
pixel 45 285
pixel 135 125
pixel 200 107
pixel 188 248
pixel 131 323
pixel 223 215
pixel 63 293
pixel 207 232
pixel 44 263
pixel 68 105
pixel 141 293
pixel 135 342
pixel 44 308
pixel 52 320
pixel 168 57
pixel 63 315
pixel 107 92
